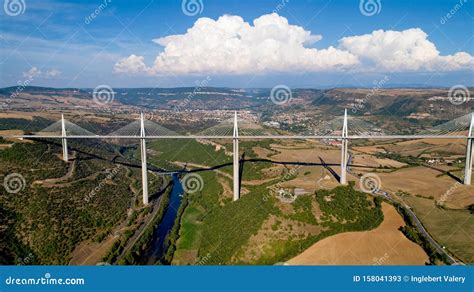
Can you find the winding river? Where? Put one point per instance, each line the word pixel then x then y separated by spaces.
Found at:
pixel 158 246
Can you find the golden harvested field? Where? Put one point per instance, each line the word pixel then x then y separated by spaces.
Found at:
pixel 424 181
pixel 417 147
pixel 373 161
pixel 438 141
pixel 11 132
pixel 308 155
pixel 369 149
pixel 312 178
pixel 17 115
pixel 385 245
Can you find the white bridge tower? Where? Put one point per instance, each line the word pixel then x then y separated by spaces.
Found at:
pixel 143 158
pixel 236 159
pixel 469 154
pixel 63 135
pixel 344 146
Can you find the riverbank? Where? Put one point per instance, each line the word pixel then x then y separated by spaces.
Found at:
pixel 158 244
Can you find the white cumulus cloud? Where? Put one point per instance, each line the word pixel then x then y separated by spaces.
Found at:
pixel 232 46
pixel 408 50
pixel 133 64
pixel 53 73
pixel 229 45
pixel 34 72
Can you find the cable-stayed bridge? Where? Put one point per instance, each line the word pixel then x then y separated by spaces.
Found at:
pixel 344 128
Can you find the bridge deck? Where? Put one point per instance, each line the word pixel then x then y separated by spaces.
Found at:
pixel 243 137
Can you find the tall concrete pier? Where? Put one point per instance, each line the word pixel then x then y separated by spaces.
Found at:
pixel 64 141
pixel 236 159
pixel 143 158
pixel 344 156
pixel 469 154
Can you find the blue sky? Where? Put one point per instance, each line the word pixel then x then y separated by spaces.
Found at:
pixel 66 47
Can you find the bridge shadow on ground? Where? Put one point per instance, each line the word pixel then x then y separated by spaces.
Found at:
pixel 162 171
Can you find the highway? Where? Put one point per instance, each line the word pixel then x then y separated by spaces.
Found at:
pixel 243 137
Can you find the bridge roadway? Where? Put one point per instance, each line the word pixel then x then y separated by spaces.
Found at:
pixel 243 137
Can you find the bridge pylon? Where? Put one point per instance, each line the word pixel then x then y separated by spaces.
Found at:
pixel 235 141
pixel 64 140
pixel 143 159
pixel 469 154
pixel 344 146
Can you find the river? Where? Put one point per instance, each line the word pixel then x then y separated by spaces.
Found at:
pixel 158 246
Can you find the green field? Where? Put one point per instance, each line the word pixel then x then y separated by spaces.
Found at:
pixel 194 216
pixel 185 151
pixel 191 151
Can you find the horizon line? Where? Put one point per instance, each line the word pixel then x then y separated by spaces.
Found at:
pixel 395 86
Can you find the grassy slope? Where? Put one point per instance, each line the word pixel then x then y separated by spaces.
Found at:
pixel 194 216
pixel 194 152
pixel 51 221
pixel 220 233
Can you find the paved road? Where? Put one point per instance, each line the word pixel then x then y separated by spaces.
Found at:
pixel 143 227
